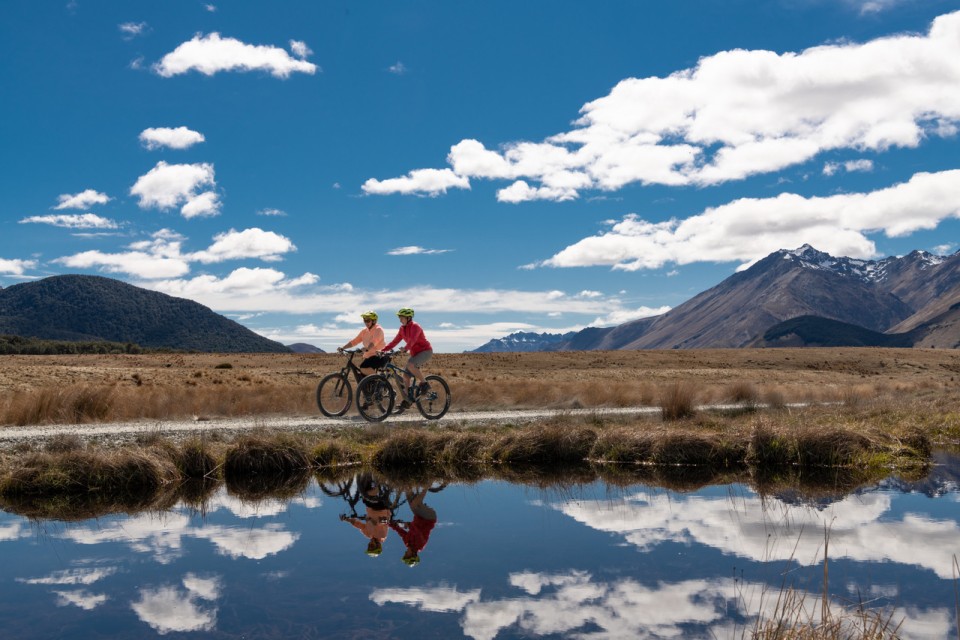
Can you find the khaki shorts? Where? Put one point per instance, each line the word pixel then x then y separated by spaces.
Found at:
pixel 421 358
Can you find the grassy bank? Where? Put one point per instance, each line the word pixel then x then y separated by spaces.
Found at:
pixel 815 451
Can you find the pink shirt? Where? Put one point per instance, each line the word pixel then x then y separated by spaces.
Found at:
pixel 372 340
pixel 412 335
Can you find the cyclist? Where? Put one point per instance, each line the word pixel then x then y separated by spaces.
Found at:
pixel 372 338
pixel 375 524
pixel 416 533
pixel 420 352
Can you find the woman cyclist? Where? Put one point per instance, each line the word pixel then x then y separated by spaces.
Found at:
pixel 420 351
pixel 372 338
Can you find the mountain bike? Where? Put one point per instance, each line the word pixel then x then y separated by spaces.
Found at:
pixel 379 396
pixel 334 392
pixel 358 489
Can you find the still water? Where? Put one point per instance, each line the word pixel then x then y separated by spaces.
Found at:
pixel 500 561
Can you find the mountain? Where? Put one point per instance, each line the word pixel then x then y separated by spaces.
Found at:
pixel 814 331
pixel 85 308
pixel 303 347
pixel 914 300
pixel 522 341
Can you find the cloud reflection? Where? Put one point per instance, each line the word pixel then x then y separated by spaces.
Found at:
pixel 81 598
pixel 171 608
pixel 862 528
pixel 574 605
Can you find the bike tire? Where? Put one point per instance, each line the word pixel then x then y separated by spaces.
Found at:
pixel 434 403
pixel 334 395
pixel 375 398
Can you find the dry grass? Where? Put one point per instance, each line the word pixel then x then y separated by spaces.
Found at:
pixel 69 389
pixel 677 401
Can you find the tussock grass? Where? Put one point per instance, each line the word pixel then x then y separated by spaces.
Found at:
pixel 125 472
pixel 677 401
pixel 251 456
pixel 557 445
pixel 332 452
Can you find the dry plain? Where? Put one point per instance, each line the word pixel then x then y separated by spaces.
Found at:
pixel 104 388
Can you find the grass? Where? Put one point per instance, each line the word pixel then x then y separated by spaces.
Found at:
pixel 835 447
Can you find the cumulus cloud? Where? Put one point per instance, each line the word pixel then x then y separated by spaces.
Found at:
pixel 211 54
pixel 735 114
pixel 431 182
pixel 415 251
pixel 82 200
pixel 747 229
pixel 171 185
pixel 249 243
pixel 16 267
pixel 77 221
pixel 162 256
pixel 172 138
pixel 620 316
pixel 168 608
pixel 300 49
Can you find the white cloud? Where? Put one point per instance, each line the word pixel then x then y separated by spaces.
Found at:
pixel 398 68
pixel 300 49
pixel 620 316
pixel 170 185
pixel 16 267
pixel 744 230
pixel 439 599
pixel 272 212
pixel 735 114
pixel 73 576
pixel 162 256
pixel 81 598
pixel 241 283
pixel 78 221
pixel 211 54
pixel 203 204
pixel 168 609
pixel 131 30
pixel 210 7
pixel 415 251
pixel 172 138
pixel 252 543
pixel 249 243
pixel 83 200
pixel 429 182
pixel 849 166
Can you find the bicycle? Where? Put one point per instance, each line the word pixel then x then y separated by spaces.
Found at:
pixel 380 396
pixel 334 393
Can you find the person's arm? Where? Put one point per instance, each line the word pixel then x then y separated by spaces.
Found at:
pixel 353 342
pixel 395 341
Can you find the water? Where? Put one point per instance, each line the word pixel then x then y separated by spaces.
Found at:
pixel 503 561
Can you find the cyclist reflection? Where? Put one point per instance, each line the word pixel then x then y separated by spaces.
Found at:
pixel 374 525
pixel 415 534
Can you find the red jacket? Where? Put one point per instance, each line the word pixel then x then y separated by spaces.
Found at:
pixel 412 335
pixel 417 535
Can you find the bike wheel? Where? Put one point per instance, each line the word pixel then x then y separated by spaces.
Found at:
pixel 334 394
pixel 434 403
pixel 375 398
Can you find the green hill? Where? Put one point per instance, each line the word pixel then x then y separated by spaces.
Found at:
pixel 91 308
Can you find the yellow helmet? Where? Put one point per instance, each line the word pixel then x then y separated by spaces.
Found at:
pixel 369 315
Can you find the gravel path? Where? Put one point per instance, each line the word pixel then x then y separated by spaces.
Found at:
pixel 121 432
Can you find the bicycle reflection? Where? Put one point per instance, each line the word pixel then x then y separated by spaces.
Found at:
pixel 382 504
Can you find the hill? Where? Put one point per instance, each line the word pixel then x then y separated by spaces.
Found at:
pixel 525 342
pixel 303 347
pixel 92 308
pixel 813 331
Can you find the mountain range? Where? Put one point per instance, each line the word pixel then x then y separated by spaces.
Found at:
pixel 803 297
pixel 85 308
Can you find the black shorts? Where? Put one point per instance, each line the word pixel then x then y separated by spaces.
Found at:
pixel 375 362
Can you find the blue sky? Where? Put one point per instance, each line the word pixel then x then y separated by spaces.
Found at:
pixel 497 166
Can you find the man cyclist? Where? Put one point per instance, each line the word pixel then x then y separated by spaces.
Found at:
pixel 420 352
pixel 372 338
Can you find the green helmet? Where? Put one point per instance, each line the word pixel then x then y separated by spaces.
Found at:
pixel 406 312
pixel 369 315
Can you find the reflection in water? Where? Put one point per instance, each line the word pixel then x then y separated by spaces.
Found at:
pixel 764 530
pixel 171 608
pixel 500 561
